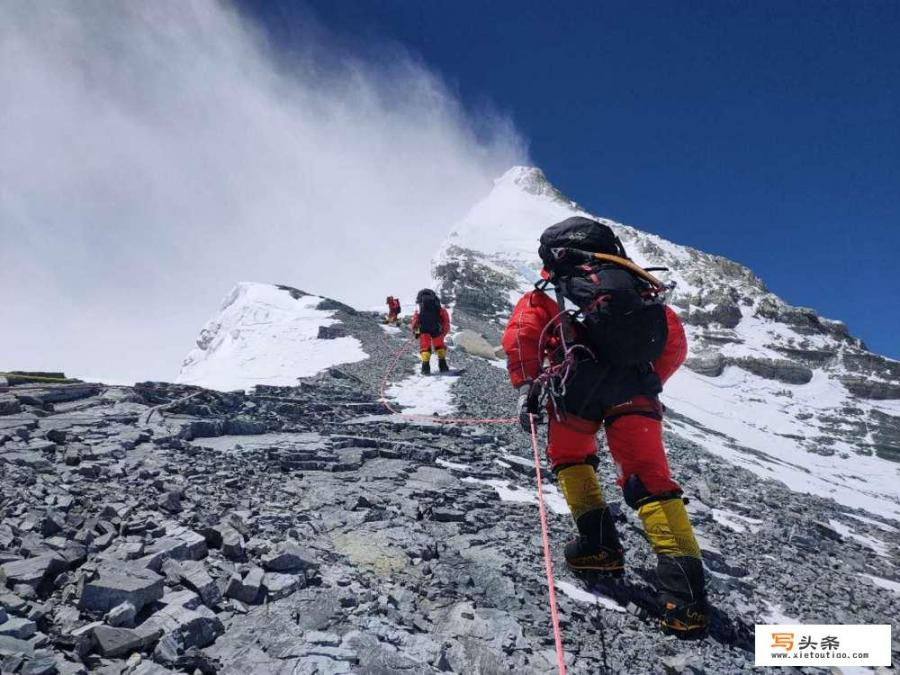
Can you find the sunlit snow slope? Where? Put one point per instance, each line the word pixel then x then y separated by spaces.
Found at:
pixel 265 334
pixel 778 389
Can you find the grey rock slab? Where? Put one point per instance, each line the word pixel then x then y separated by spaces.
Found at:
pixel 193 627
pixel 11 645
pixel 475 344
pixel 249 590
pixel 44 664
pixel 150 668
pixel 168 547
pixel 17 627
pixel 32 571
pixel 118 584
pixel 443 515
pixel 494 626
pixel 183 598
pixel 194 542
pixel 82 638
pixel 278 585
pixel 122 615
pixel 193 574
pixel 115 642
pixel 233 545
pixel 290 557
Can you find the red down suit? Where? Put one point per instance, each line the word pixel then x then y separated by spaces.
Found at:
pixel 432 341
pixel 621 399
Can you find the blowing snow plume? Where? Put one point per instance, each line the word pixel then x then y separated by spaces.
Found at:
pixel 153 154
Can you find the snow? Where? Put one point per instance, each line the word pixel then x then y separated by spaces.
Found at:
pixel 884 583
pixel 452 465
pixel 506 225
pixel 390 330
pixel 735 521
pixel 554 499
pixel 870 521
pixel 756 428
pixel 423 395
pixel 775 615
pixel 870 542
pixel 583 595
pixel 513 493
pixel 263 334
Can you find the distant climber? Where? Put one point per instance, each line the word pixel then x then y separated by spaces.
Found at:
pixel 431 323
pixel 604 364
pixel 393 315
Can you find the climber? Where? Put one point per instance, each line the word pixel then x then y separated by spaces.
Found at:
pixel 393 315
pixel 604 365
pixel 431 323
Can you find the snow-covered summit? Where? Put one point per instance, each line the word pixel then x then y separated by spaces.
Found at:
pixel 507 223
pixel 776 388
pixel 266 334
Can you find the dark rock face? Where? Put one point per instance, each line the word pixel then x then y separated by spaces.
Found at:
pixel 878 390
pixel 707 363
pixel 472 286
pixel 726 315
pixel 332 332
pixel 781 370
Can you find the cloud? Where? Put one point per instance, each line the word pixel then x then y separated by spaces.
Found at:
pixel 153 154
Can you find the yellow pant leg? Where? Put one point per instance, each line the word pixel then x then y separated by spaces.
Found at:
pixel 581 489
pixel 668 528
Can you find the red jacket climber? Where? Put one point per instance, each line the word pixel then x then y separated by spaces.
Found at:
pixel 431 323
pixel 605 368
pixel 393 315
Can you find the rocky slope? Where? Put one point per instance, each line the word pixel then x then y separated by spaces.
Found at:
pixel 296 526
pixel 302 529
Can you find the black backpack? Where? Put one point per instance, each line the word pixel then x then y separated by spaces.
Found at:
pixel 621 315
pixel 429 312
pixel 576 233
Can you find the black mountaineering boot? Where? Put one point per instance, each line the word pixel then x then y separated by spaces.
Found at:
pixel 596 549
pixel 426 368
pixel 442 365
pixel 685 612
pixel 686 620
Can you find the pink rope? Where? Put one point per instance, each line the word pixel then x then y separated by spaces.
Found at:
pixel 548 563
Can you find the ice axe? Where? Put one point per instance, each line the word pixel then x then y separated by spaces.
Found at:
pixel 563 253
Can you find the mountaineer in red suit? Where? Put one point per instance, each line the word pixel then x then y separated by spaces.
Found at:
pixel 431 323
pixel 603 366
pixel 393 315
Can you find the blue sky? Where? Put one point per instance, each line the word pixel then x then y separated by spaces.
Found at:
pixel 767 132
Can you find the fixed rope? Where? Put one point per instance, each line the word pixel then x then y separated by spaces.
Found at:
pixel 545 530
pixel 548 562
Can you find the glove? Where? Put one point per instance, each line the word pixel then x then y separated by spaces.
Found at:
pixel 417 332
pixel 528 405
